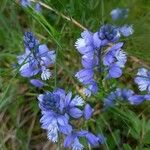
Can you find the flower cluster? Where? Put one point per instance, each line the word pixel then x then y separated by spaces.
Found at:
pixel 143 81
pixel 90 45
pixel 115 59
pixel 119 94
pixel 124 95
pixel 102 53
pixel 73 139
pixel 86 47
pixel 36 59
pixel 27 3
pixel 58 109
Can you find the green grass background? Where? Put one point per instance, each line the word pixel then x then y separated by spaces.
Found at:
pixel 125 127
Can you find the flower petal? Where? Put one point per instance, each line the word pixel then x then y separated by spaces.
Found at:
pixel 75 112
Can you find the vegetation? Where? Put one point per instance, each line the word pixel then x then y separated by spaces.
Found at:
pixel 59 24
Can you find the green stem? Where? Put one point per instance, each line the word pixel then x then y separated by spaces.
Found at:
pixel 86 125
pixel 58 143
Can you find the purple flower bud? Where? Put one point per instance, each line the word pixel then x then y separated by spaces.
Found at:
pixel 38 7
pixel 37 83
pixel 115 72
pixel 75 112
pixel 136 99
pixel 25 3
pixel 119 13
pixel 91 88
pixel 92 139
pixel 88 111
pixel 126 30
pixel 85 75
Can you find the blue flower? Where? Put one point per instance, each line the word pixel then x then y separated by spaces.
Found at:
pixel 54 117
pixel 98 43
pixel 88 111
pixel 72 104
pixel 110 100
pixel 88 48
pixel 115 59
pixel 30 42
pixel 38 7
pixel 25 3
pixel 119 13
pixel 91 88
pixel 85 76
pixel 136 99
pixel 89 61
pixel 119 94
pixel 76 145
pixel 37 83
pixel 124 93
pixel 57 108
pixel 108 34
pixel 73 140
pixel 85 44
pixel 93 140
pixel 143 79
pixel 36 59
pixel 50 102
pixel 55 123
pixel 126 30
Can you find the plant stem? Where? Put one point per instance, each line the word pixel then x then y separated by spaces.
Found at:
pixel 59 143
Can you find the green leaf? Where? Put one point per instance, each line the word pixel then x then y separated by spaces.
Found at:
pixel 113 140
pixel 126 147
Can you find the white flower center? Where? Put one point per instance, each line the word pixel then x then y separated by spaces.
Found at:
pixel 80 43
pixel 45 74
pixel 78 101
pixel 53 132
pixel 77 145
